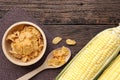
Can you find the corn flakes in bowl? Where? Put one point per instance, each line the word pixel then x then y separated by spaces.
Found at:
pixel 24 43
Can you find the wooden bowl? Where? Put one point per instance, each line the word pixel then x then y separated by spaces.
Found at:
pixel 6 44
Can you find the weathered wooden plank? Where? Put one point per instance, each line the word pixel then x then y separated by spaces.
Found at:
pixel 59 1
pixel 68 11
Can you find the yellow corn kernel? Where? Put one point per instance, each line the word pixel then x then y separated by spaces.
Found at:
pixel 93 58
pixel 113 71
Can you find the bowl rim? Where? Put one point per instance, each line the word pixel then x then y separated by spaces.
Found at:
pixel 30 62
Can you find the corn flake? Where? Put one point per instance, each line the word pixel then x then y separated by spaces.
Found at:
pixel 56 40
pixel 59 57
pixel 70 42
pixel 26 44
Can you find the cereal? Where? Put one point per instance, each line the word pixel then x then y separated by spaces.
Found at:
pixel 70 42
pixel 59 57
pixel 26 44
pixel 24 59
pixel 56 40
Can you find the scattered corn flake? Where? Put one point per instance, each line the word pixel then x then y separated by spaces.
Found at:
pixel 70 42
pixel 56 40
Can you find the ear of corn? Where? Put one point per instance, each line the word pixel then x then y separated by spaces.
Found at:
pixel 94 57
pixel 113 71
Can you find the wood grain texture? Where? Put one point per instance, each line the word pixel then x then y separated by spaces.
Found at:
pixel 68 11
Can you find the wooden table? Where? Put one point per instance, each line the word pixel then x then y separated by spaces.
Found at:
pixel 76 19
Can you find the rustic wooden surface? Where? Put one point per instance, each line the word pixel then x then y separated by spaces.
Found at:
pixel 68 11
pixel 77 19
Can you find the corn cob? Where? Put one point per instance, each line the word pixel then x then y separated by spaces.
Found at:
pixel 94 57
pixel 113 71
